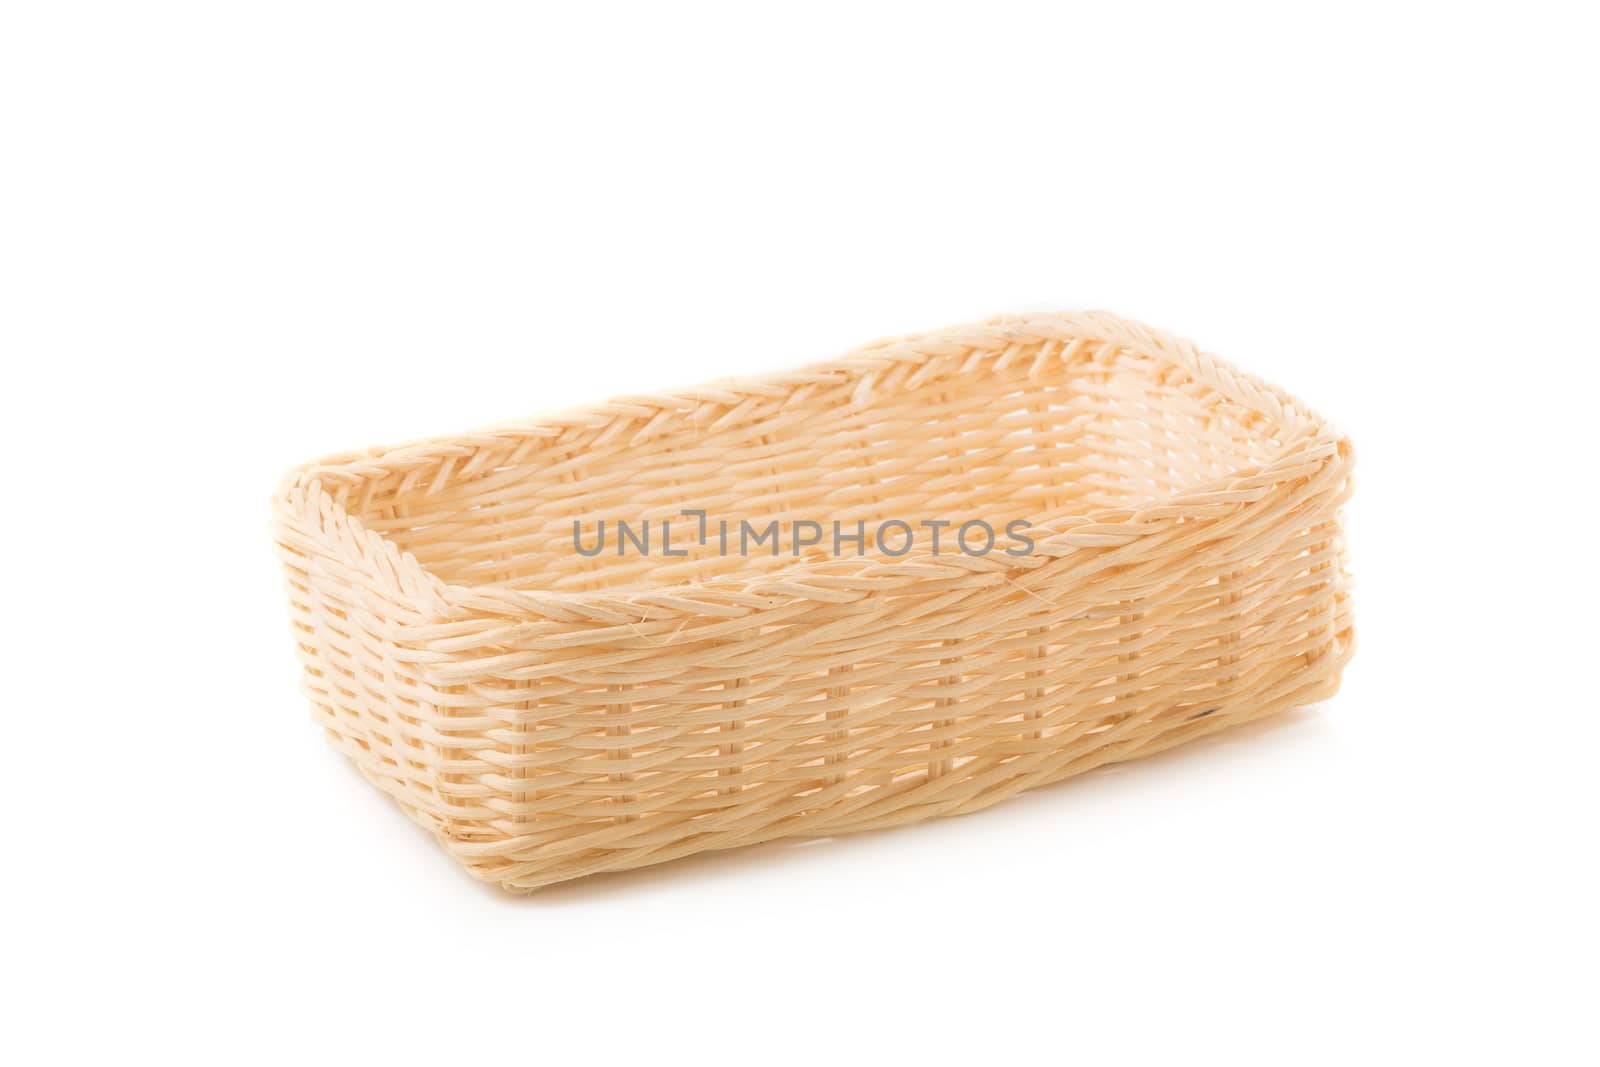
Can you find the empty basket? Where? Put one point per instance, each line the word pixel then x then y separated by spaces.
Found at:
pixel 555 700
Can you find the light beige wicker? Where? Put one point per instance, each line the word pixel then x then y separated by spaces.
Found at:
pixel 550 715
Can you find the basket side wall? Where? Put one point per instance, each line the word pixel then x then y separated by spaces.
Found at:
pixel 580 749
pixel 353 601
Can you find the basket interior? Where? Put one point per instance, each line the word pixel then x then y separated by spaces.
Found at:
pixel 1038 433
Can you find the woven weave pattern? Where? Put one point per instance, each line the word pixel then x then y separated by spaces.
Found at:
pixel 551 715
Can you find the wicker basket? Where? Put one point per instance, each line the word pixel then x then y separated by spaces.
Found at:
pixel 551 713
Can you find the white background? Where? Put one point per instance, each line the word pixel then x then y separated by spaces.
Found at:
pixel 234 237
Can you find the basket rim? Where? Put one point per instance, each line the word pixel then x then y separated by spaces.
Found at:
pixel 1310 442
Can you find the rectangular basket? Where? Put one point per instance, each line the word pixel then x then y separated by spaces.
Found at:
pixel 551 714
